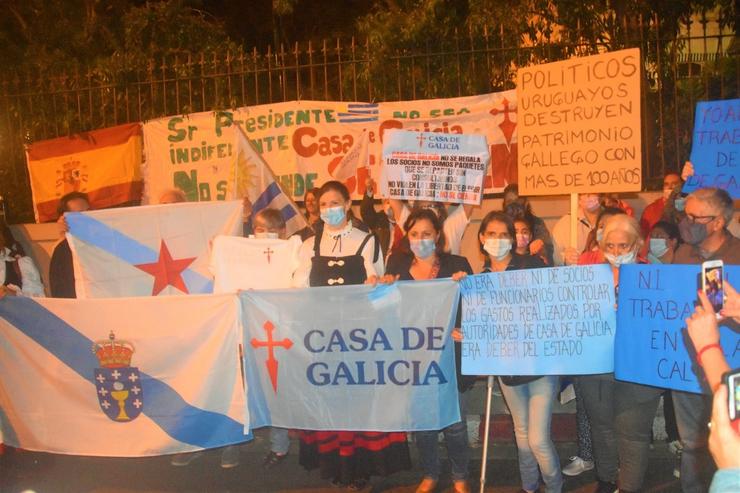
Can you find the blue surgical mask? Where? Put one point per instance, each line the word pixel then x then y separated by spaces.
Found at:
pixel 599 235
pixel 423 248
pixel 497 248
pixel 680 204
pixel 658 246
pixel 625 258
pixel 333 216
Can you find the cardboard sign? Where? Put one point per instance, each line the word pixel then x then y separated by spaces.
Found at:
pixel 556 321
pixel 434 166
pixel 715 150
pixel 579 125
pixel 652 345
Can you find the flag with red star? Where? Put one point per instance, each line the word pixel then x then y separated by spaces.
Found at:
pixel 148 251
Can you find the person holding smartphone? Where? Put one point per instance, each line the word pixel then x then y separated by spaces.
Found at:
pixel 705 235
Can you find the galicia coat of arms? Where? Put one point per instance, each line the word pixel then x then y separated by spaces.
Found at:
pixel 117 382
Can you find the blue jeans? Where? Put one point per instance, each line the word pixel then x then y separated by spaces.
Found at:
pixel 531 409
pixel 458 450
pixel 279 440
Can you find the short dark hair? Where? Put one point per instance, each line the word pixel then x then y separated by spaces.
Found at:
pixel 272 217
pixel 335 186
pixel 495 216
pixel 671 229
pixel 69 197
pixel 416 215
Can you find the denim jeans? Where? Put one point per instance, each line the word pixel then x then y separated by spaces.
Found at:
pixel 279 440
pixel 458 450
pixel 531 409
pixel 692 415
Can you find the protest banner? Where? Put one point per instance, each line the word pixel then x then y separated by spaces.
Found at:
pixel 652 346
pixel 105 164
pixel 253 263
pixel 304 142
pixel 579 125
pixel 128 377
pixel 715 148
pixel 434 166
pixel 353 358
pixel 555 321
pixel 148 251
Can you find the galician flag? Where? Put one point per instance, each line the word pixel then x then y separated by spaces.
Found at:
pixel 121 377
pixel 255 180
pixel 148 251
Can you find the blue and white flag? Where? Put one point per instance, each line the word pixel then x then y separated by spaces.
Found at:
pixel 150 250
pixel 352 358
pixel 652 346
pixel 121 377
pixel 255 180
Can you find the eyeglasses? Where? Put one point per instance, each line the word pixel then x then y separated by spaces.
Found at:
pixel 693 219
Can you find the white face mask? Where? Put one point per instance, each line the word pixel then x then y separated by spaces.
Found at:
pixel 268 235
pixel 497 248
pixel 625 258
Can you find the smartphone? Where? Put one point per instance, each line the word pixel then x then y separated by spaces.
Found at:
pixel 732 379
pixel 712 283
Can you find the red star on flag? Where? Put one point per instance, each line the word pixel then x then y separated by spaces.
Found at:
pixel 167 271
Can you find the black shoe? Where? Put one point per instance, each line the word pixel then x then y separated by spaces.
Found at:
pixel 272 459
pixel 606 487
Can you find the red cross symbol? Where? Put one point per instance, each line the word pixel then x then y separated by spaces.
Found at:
pixel 268 252
pixel 271 362
pixel 506 126
pixel 421 139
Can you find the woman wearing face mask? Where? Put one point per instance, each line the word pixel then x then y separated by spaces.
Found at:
pixel 664 239
pixel 530 398
pixel 621 413
pixel 592 254
pixel 421 256
pixel 342 254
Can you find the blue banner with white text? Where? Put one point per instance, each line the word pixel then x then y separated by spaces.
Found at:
pixel 353 358
pixel 652 345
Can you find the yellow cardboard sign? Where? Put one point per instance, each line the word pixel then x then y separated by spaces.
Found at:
pixel 579 125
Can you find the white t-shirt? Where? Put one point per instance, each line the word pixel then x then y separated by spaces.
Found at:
pixel 453 227
pixel 561 235
pixel 338 244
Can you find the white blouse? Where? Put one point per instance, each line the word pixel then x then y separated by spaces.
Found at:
pixel 343 243
pixel 32 285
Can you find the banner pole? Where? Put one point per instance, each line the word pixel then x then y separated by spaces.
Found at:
pixel 574 220
pixel 486 428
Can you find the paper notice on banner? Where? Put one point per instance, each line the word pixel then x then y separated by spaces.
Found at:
pixel 715 150
pixel 556 321
pixel 579 125
pixel 434 166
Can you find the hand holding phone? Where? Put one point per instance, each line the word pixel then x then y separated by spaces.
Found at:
pixel 712 283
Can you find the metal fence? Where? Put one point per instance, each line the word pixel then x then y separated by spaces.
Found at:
pixel 697 64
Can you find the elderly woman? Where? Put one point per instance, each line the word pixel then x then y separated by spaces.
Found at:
pixel 529 398
pixel 421 256
pixel 18 272
pixel 621 413
pixel 341 253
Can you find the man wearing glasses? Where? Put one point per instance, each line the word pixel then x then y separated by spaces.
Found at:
pixel 709 211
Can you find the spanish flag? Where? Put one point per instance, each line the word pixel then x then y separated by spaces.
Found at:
pixel 105 164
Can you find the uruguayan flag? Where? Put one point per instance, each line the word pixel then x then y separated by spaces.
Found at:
pixel 150 250
pixel 255 180
pixel 121 377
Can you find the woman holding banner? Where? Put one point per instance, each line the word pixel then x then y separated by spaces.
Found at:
pixel 421 256
pixel 530 398
pixel 621 413
pixel 342 254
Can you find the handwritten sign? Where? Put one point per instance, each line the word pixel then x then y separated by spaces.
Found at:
pixel 715 150
pixel 579 125
pixel 556 321
pixel 651 345
pixel 434 166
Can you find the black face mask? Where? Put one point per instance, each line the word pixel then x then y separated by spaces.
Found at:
pixel 692 233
